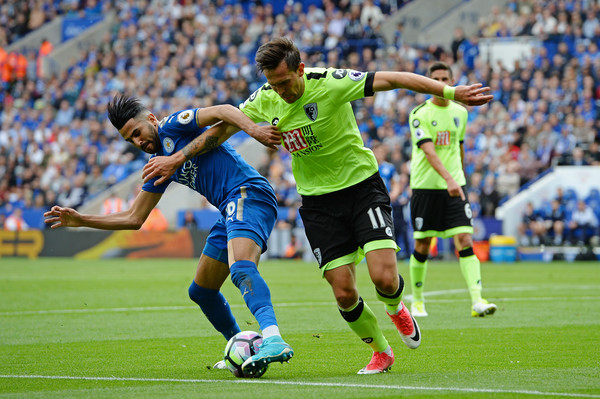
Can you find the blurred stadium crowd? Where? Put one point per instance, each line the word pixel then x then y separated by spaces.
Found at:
pixel 57 146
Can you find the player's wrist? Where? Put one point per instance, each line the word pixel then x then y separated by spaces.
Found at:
pixel 449 92
pixel 180 157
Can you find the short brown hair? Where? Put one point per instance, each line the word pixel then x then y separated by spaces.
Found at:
pixel 270 54
pixel 439 65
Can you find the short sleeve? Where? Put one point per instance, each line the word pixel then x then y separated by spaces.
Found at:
pixel 345 85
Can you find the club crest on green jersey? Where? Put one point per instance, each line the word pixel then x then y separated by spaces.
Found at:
pixel 311 111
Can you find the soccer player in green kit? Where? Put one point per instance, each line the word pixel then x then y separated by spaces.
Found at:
pixel 438 205
pixel 345 206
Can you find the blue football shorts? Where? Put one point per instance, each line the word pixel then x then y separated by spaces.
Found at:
pixel 251 212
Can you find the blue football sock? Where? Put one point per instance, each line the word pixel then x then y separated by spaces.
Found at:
pixel 215 308
pixel 255 292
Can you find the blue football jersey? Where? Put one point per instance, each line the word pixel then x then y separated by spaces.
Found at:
pixel 216 174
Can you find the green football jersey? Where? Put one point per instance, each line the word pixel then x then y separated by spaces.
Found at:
pixel 319 129
pixel 445 127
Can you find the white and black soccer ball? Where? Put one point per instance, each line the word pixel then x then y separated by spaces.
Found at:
pixel 239 348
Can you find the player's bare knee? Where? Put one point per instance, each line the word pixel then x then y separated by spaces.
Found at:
pixel 387 286
pixel 464 241
pixel 346 298
pixel 385 278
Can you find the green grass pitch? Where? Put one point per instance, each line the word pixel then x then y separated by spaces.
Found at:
pixel 127 329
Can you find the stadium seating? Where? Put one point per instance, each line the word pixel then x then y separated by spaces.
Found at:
pixel 148 46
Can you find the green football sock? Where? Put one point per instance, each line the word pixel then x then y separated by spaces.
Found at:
pixel 363 322
pixel 418 270
pixel 471 271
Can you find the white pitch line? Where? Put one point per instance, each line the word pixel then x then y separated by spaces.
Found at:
pixel 310 384
pixel 407 298
pixel 144 309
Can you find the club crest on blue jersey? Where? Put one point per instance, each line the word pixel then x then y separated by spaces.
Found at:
pixel 311 111
pixel 168 144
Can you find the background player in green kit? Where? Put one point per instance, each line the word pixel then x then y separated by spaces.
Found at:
pixel 345 206
pixel 438 204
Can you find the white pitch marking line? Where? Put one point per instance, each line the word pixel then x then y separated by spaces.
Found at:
pixel 310 384
pixel 407 298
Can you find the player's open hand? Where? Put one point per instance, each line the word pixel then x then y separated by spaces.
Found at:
pixel 473 94
pixel 62 217
pixel 162 167
pixel 267 135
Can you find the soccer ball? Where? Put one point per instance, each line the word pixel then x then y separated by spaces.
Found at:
pixel 239 348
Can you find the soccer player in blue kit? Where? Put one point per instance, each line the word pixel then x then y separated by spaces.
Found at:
pixel 244 198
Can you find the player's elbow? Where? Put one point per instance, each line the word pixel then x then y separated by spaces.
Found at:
pixel 136 222
pixel 224 110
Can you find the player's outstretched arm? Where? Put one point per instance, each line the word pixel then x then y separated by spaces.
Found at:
pixel 131 219
pixel 166 166
pixel 470 95
pixel 267 135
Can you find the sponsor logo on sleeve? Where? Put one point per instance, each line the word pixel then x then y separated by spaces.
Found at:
pixel 419 134
pixel 356 75
pixel 185 117
pixel 340 73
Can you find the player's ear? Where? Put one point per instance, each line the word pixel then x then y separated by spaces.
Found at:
pixel 152 118
pixel 301 69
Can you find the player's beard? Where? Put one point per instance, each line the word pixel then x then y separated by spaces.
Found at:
pixel 153 146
